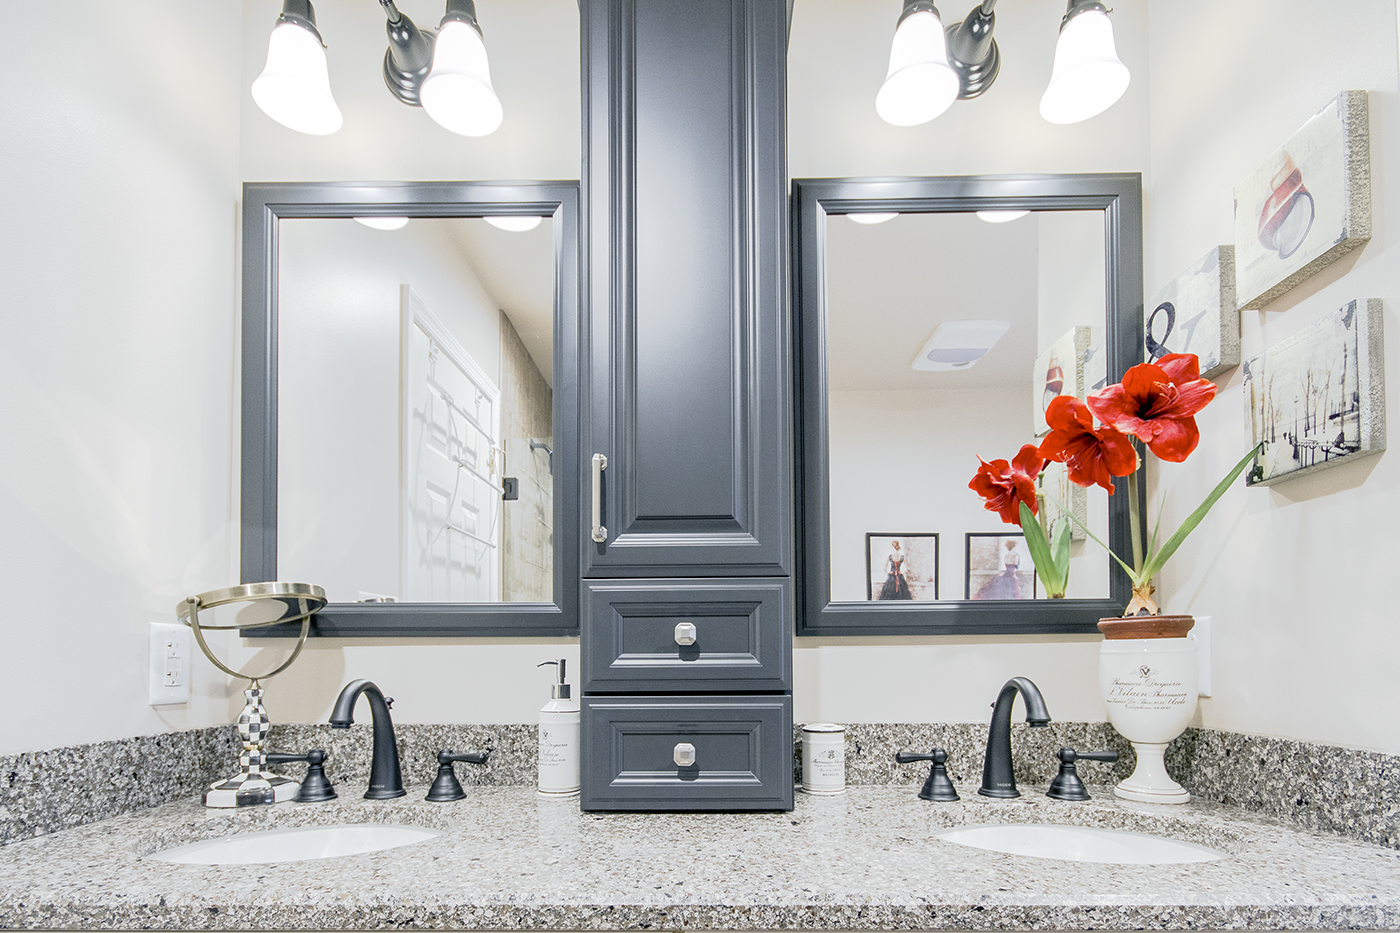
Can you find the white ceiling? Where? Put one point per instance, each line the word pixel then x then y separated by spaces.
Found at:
pixel 889 285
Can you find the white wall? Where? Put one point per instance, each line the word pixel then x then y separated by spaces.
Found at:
pixel 1297 577
pixel 119 161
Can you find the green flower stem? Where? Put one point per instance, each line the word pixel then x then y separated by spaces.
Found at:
pixel 1135 523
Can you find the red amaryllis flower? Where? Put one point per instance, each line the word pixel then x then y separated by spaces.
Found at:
pixel 1157 402
pixel 1092 455
pixel 1006 485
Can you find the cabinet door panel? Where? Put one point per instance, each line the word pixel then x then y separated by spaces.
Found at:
pixel 739 748
pixel 740 630
pixel 689 360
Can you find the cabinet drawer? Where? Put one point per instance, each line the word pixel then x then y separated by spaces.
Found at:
pixel 742 753
pixel 633 629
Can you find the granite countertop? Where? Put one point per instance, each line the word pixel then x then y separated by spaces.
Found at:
pixel 511 860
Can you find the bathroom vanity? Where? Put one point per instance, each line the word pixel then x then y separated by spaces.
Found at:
pixel 507 859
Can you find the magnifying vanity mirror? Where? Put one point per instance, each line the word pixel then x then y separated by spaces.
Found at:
pixel 402 436
pixel 936 319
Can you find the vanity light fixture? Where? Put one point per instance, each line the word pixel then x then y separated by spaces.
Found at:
pixel 294 88
pixel 513 223
pixel 931 66
pixel 383 223
pixel 1088 77
pixel 876 217
pixel 958 344
pixel 1000 217
pixel 444 71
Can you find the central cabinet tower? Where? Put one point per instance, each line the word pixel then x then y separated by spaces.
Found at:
pixel 686 427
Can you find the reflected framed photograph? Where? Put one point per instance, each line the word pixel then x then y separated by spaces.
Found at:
pixel 999 566
pixel 1059 371
pixel 1307 205
pixel 901 566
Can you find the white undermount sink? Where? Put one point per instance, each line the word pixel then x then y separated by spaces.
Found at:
pixel 1079 844
pixel 295 845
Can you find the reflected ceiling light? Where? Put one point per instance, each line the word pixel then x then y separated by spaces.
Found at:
pixel 958 344
pixel 294 88
pixel 1001 217
pixel 383 223
pixel 513 223
pixel 444 71
pixel 457 92
pixel 931 66
pixel 1087 77
pixel 877 217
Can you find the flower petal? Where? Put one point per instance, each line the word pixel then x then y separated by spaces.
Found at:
pixel 1028 462
pixel 1180 367
pixel 1174 438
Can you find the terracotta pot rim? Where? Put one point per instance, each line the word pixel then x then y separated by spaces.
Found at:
pixel 1160 626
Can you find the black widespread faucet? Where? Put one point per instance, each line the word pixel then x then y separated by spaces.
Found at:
pixel 385 782
pixel 998 778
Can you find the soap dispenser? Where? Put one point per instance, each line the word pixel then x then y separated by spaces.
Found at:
pixel 559 741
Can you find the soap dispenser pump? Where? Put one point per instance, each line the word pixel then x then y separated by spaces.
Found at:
pixel 559 739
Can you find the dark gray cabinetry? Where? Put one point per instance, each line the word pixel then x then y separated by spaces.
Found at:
pixel 686 427
pixel 675 635
pixel 696 752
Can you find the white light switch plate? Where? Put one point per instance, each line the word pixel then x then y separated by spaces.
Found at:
pixel 1200 634
pixel 170 664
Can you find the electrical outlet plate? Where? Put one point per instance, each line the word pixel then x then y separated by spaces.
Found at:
pixel 1200 634
pixel 169 676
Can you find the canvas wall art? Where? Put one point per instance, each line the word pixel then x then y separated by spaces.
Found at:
pixel 1318 398
pixel 1196 313
pixel 1308 205
pixel 1058 371
pixel 999 566
pixel 901 566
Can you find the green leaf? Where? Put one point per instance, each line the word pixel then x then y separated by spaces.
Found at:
pixel 1040 552
pixel 1159 559
pixel 1059 551
pixel 1132 574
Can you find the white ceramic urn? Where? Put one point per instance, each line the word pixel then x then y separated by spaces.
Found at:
pixel 1149 686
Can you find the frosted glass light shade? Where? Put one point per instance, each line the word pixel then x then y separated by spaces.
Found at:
pixel 294 88
pixel 457 93
pixel 919 84
pixel 383 223
pixel 514 224
pixel 1000 217
pixel 1087 78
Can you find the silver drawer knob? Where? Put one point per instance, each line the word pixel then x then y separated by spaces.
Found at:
pixel 685 633
pixel 684 755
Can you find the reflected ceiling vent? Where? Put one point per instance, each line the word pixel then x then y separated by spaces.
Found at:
pixel 958 344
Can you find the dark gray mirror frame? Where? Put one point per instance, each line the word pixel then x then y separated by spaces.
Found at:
pixel 1119 196
pixel 264 204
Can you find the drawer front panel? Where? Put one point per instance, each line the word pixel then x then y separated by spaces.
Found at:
pixel 632 634
pixel 734 753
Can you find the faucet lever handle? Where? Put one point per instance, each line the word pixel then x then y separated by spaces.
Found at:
pixel 939 786
pixel 315 787
pixel 446 787
pixel 1067 784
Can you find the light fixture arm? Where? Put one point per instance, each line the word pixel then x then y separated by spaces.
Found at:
pixel 462 11
pixel 972 52
pixel 409 57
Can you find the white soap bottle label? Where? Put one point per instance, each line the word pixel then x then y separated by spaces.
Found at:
pixel 558 756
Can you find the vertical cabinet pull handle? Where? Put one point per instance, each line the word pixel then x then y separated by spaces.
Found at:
pixel 683 755
pixel 600 463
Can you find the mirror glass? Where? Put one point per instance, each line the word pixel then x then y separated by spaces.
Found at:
pixel 415 408
pixel 914 395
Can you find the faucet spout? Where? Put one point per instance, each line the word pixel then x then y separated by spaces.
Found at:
pixel 385 780
pixel 998 777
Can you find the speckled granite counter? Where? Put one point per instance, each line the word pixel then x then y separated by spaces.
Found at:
pixel 512 860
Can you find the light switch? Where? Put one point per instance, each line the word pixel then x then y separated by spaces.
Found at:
pixel 169 682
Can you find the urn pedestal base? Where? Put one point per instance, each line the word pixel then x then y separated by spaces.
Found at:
pixel 1149 782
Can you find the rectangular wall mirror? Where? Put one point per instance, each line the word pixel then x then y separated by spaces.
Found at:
pixel 936 318
pixel 404 445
